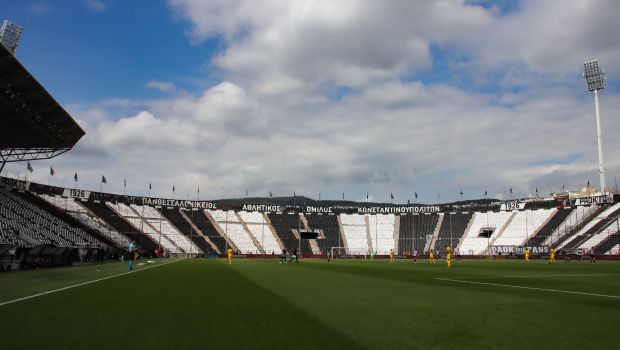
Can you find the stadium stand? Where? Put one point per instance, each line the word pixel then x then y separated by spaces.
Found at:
pixel 381 228
pixel 599 228
pixel 285 225
pixel 86 217
pixel 185 227
pixel 328 225
pixel 355 232
pixel 554 222
pixel 573 223
pixel 232 227
pixel 615 247
pixel 38 226
pixel 8 236
pixel 146 244
pixel 143 226
pixel 452 229
pixel 523 225
pixel 473 242
pixel 587 230
pixel 161 225
pixel 260 229
pixel 205 225
pixel 414 228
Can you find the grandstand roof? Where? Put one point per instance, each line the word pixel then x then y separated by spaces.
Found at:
pixel 32 124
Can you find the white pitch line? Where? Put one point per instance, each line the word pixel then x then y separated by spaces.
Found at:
pixel 531 288
pixel 538 276
pixel 82 284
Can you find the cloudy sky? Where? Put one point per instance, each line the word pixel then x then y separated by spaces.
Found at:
pixel 312 96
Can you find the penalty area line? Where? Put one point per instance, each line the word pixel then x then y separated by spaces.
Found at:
pixel 530 288
pixel 82 284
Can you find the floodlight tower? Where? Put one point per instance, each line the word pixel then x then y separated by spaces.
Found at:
pixel 595 78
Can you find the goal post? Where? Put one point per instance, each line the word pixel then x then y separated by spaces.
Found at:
pixel 345 253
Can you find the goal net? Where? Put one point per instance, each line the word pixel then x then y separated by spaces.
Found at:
pixel 344 253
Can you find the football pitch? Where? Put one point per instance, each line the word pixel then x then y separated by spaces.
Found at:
pixel 315 304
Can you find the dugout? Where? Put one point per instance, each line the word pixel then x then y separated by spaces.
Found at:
pixel 47 256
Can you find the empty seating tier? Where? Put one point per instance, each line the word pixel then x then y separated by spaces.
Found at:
pixel 414 230
pixel 452 229
pixel 327 224
pixel 285 224
pixel 232 227
pixel 146 244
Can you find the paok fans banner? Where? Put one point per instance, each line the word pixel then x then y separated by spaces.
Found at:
pixel 515 249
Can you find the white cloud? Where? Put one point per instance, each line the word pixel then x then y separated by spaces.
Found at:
pixel 39 8
pixel 309 44
pixel 162 86
pixel 333 96
pixel 96 5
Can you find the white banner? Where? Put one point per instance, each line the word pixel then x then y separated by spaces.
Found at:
pixel 72 193
pixel 594 200
pixel 512 206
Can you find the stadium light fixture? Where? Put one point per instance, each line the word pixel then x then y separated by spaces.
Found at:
pixel 595 78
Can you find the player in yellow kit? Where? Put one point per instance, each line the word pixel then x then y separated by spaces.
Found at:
pixel 391 255
pixel 431 256
pixel 229 252
pixel 551 256
pixel 527 254
pixel 448 256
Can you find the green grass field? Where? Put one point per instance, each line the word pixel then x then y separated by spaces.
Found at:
pixel 345 304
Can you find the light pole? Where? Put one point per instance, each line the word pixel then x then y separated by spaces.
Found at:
pixel 595 78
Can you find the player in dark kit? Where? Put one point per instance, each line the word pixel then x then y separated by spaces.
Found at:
pixel 592 257
pixel 283 256
pixel 294 256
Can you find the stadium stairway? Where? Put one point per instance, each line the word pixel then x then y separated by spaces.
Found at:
pixel 314 246
pixel 433 240
pixel 249 232
pixel 503 229
pixel 42 204
pixel 453 227
pixel 185 227
pixel 147 245
pixel 578 227
pixel 550 226
pixel 284 225
pixel 607 244
pixel 204 224
pixel 328 225
pixel 414 228
pixel 595 235
pixel 575 242
pixel 206 238
pixel 216 227
pixel 368 236
pixel 593 226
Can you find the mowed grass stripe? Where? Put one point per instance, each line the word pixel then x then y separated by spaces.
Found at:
pixel 203 303
pixel 82 283
pixel 401 304
pixel 189 305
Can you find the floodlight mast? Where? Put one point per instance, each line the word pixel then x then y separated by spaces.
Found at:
pixel 595 78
